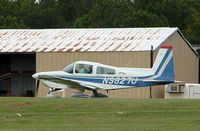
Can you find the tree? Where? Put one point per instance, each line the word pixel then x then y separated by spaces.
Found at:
pixel 106 13
pixel 10 22
pixel 192 30
pixel 10 16
pixel 183 14
pixel 146 19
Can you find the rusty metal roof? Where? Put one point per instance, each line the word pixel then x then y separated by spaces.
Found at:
pixel 69 40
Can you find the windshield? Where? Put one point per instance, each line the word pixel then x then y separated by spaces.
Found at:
pixel 69 68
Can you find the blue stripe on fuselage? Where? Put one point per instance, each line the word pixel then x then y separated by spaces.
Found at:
pixel 99 80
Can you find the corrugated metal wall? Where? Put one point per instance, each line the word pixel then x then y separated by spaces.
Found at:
pixel 20 68
pixel 22 85
pixel 5 87
pixel 185 63
pixel 186 66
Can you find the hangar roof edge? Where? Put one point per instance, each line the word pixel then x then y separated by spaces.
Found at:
pixel 83 40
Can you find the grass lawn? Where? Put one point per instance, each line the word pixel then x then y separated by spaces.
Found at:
pixel 48 114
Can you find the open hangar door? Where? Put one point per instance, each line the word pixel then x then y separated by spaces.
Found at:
pixel 16 74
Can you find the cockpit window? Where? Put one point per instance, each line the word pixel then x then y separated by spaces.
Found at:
pixel 69 68
pixel 105 70
pixel 83 68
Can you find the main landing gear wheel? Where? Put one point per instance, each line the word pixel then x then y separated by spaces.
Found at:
pixel 79 95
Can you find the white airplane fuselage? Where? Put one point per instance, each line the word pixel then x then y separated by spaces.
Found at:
pixel 95 76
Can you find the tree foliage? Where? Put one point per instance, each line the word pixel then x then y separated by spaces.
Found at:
pixel 183 14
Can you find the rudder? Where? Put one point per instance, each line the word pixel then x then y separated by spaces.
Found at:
pixel 164 65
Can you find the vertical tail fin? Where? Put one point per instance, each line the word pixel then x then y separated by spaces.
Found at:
pixel 164 65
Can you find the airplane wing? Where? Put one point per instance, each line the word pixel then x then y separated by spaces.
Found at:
pixel 68 83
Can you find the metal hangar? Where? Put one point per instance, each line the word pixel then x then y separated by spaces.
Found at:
pixel 24 52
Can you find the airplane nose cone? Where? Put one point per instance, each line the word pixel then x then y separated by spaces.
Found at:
pixel 35 76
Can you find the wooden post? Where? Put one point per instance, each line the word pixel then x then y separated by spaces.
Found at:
pixel 151 64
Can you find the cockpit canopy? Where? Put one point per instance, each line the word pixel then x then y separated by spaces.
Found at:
pixel 89 68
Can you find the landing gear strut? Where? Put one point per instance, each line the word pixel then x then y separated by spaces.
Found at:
pixel 98 95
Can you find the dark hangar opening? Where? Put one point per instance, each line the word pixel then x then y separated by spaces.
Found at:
pixel 16 72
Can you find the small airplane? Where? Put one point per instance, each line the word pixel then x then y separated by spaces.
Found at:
pixel 85 75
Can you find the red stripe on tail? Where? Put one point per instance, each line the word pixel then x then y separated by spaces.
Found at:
pixel 167 46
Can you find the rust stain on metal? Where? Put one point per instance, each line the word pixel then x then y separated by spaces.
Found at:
pixel 93 44
pixel 87 49
pixel 85 44
pixel 5 33
pixel 77 44
pixel 127 46
pixel 26 50
pixel 61 49
pixel 78 50
pixel 36 49
pixel 60 44
pixel 43 50
pixel 117 47
pixel 24 44
pixel 70 49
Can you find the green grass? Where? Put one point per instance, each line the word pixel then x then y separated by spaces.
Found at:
pixel 99 114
